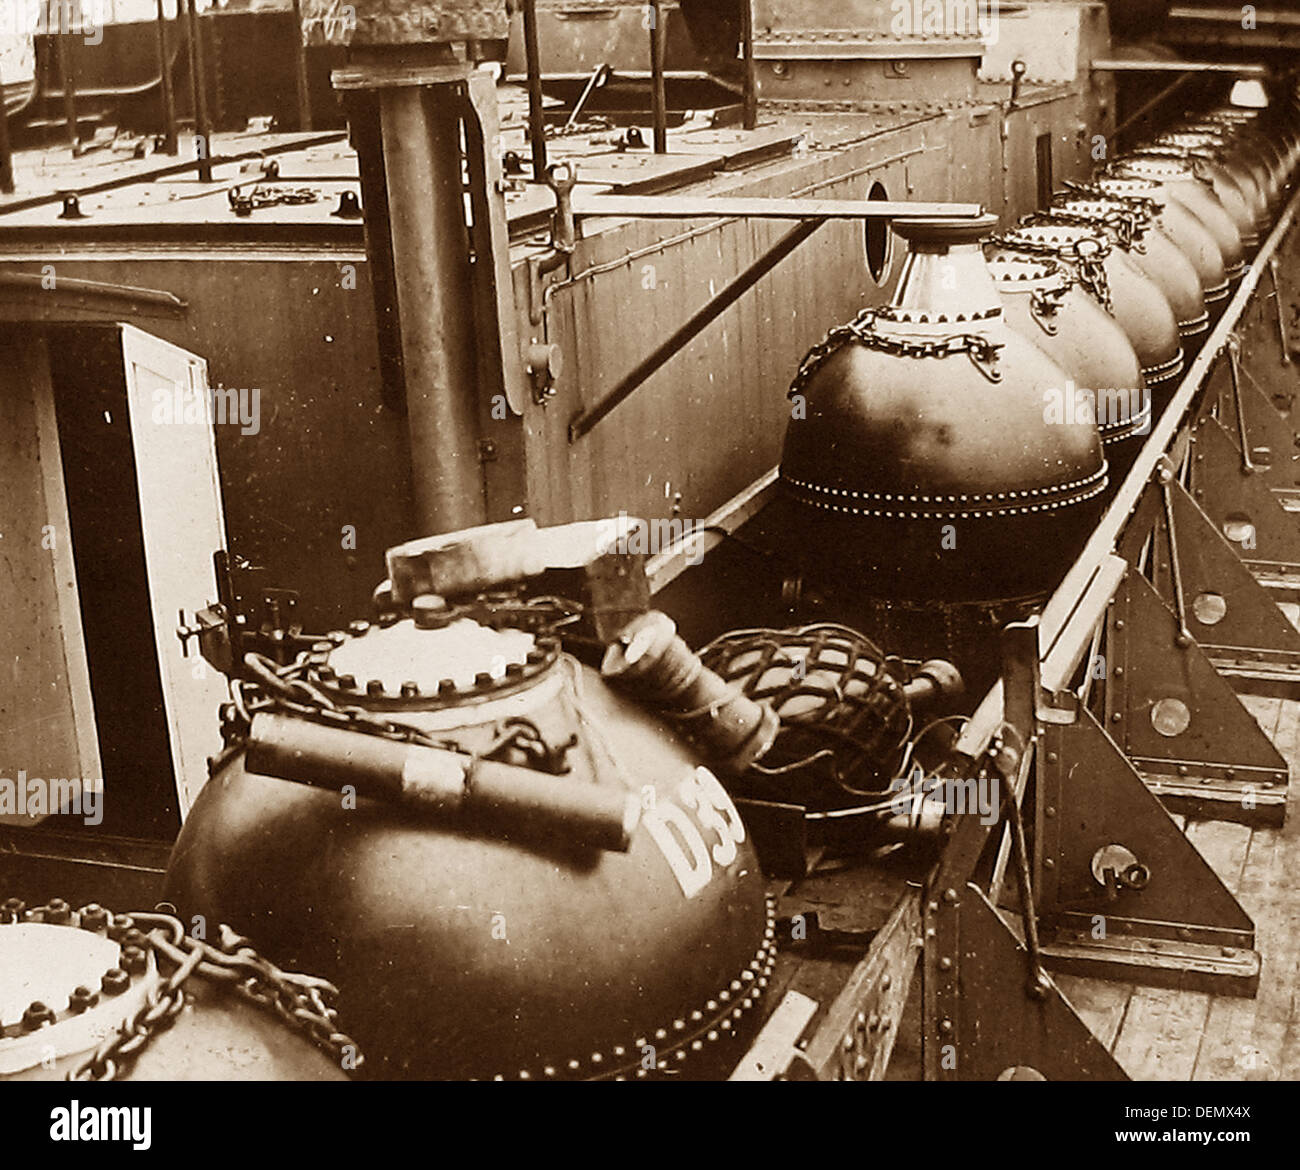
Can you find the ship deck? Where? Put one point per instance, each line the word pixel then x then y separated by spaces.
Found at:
pixel 153 197
pixel 1165 1034
pixel 859 961
pixel 1169 1034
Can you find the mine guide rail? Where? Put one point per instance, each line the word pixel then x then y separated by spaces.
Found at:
pixel 1185 620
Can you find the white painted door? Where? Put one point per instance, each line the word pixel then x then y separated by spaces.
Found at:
pixel 183 525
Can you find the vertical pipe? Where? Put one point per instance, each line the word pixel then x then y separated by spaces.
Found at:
pixel 426 206
pixel 199 92
pixel 165 78
pixel 6 152
pixel 301 81
pixel 536 113
pixel 747 56
pixel 364 130
pixel 63 40
pixel 658 100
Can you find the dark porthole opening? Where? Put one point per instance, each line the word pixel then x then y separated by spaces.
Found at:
pixel 878 240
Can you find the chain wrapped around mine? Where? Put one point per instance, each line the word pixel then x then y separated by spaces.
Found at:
pixel 305 1003
pixel 1149 208
pixel 1088 261
pixel 1128 224
pixel 862 331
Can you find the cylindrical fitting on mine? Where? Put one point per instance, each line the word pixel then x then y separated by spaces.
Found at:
pixel 914 815
pixel 652 662
pixel 933 680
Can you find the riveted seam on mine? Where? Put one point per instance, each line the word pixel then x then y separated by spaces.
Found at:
pixel 1194 326
pixel 680 1040
pixel 979 505
pixel 1163 371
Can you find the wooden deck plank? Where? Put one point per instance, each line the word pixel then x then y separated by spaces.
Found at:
pixel 1287 740
pixel 1277 918
pixel 1276 910
pixel 1161 1033
pixel 1267 711
pixel 1099 1003
pixel 1224 845
pixel 1255 1039
pixel 1226 1053
pixel 1289 1069
pixel 1228 1049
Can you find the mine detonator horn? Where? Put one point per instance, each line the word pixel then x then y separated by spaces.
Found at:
pixel 439 780
pixel 650 660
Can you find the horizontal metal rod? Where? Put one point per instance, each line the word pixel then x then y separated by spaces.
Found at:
pixel 105 91
pixel 916 48
pixel 1233 16
pixel 695 206
pixel 979 730
pixel 98 289
pixel 628 75
pixel 682 336
pixel 1105 65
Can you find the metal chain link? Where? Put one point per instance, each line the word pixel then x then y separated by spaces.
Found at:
pixel 1174 152
pixel 1149 207
pixel 1195 161
pixel 1127 224
pixel 283 689
pixel 861 330
pixel 267 196
pixel 1047 302
pixel 303 1002
pixel 1088 263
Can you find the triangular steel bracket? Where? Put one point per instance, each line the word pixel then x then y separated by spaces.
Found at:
pixel 984 1024
pixel 1231 615
pixel 1179 721
pixel 1268 436
pixel 1236 498
pixel 1170 922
